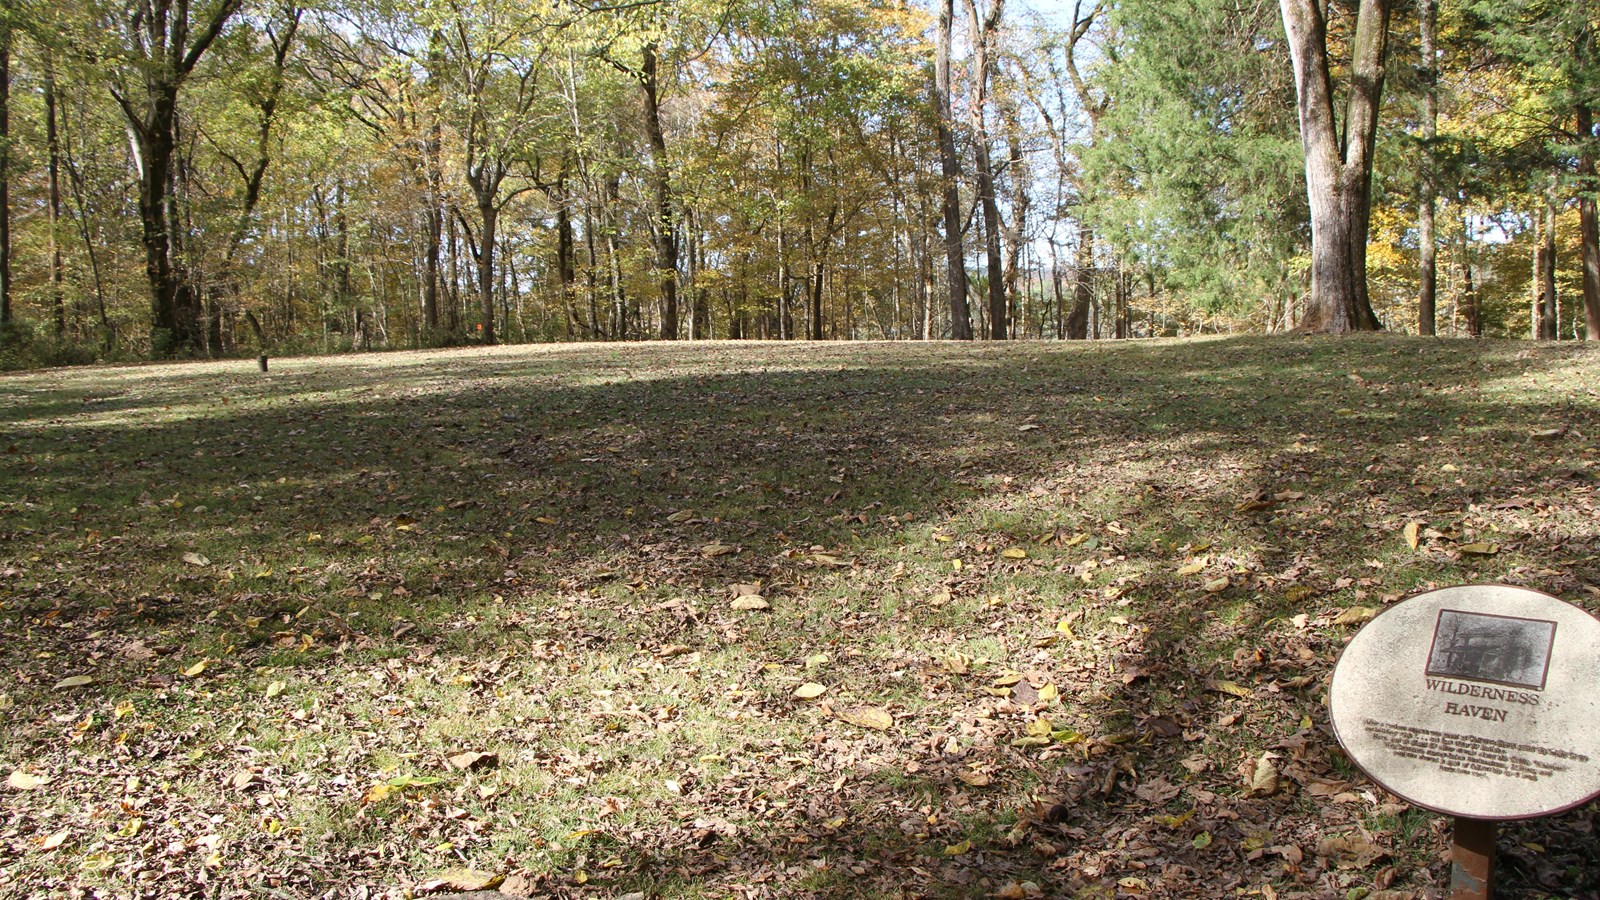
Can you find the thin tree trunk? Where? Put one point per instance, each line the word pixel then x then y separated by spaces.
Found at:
pixel 950 170
pixel 1589 227
pixel 983 29
pixel 1428 268
pixel 58 294
pixel 661 185
pixel 6 313
pixel 1545 270
pixel 1082 295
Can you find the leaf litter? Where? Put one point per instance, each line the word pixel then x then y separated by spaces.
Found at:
pixel 465 618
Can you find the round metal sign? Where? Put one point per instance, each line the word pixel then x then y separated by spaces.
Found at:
pixel 1478 701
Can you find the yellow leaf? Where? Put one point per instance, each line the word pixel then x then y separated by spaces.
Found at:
pixel 1039 727
pixel 274 689
pixel 1007 679
pixel 1480 549
pixel 958 849
pixel 1229 687
pixel 75 681
pixel 470 880
pixel 545 520
pixel 196 559
pixel 1217 585
pixel 1175 821
pixel 955 565
pixel 1413 534
pixel 54 840
pixel 1202 840
pixel 195 670
pixel 130 828
pixel 1065 628
pixel 868 717
pixel 1014 553
pixel 817 659
pixel 22 781
pixel 682 515
pixel 1048 693
pixel 1355 615
pixel 750 603
pixel 98 862
pixel 1067 736
pixel 714 550
pixel 1194 568
pixel 810 691
pixel 271 825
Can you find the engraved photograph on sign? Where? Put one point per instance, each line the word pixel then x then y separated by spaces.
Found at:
pixel 1498 649
pixel 1475 701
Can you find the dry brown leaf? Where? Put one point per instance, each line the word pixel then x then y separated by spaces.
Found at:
pixel 1264 781
pixel 473 760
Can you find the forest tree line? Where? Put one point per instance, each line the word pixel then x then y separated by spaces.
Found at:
pixel 212 177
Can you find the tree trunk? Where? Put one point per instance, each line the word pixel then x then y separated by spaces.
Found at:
pixel 1589 227
pixel 6 312
pixel 1338 167
pixel 983 28
pixel 665 237
pixel 1078 321
pixel 1427 260
pixel 1545 271
pixel 950 170
pixel 488 217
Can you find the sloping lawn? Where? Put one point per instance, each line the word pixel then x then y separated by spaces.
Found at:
pixel 757 620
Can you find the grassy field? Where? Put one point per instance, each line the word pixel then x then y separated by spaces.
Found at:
pixel 757 620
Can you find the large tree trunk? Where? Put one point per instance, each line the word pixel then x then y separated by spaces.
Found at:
pixel 1427 257
pixel 661 185
pixel 1338 168
pixel 1589 227
pixel 950 171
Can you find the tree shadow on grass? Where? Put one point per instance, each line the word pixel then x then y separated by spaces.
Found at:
pixel 586 510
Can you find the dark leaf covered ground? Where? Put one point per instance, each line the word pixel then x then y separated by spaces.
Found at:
pixel 757 620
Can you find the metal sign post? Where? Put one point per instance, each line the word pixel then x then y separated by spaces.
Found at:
pixel 1472 859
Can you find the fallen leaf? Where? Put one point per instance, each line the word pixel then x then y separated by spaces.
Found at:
pixel 682 515
pixel 714 550
pixel 1413 534
pixel 750 602
pixel 75 681
pixel 1201 840
pixel 1228 687
pixel 1217 585
pixel 958 849
pixel 54 840
pixel 1264 777
pixel 1355 615
pixel 196 670
pixel 975 778
pixel 868 717
pixel 817 659
pixel 196 559
pixel 1014 553
pixel 274 689
pixel 472 760
pixel 468 880
pixel 22 781
pixel 1194 568
pixel 1479 548
pixel 810 691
